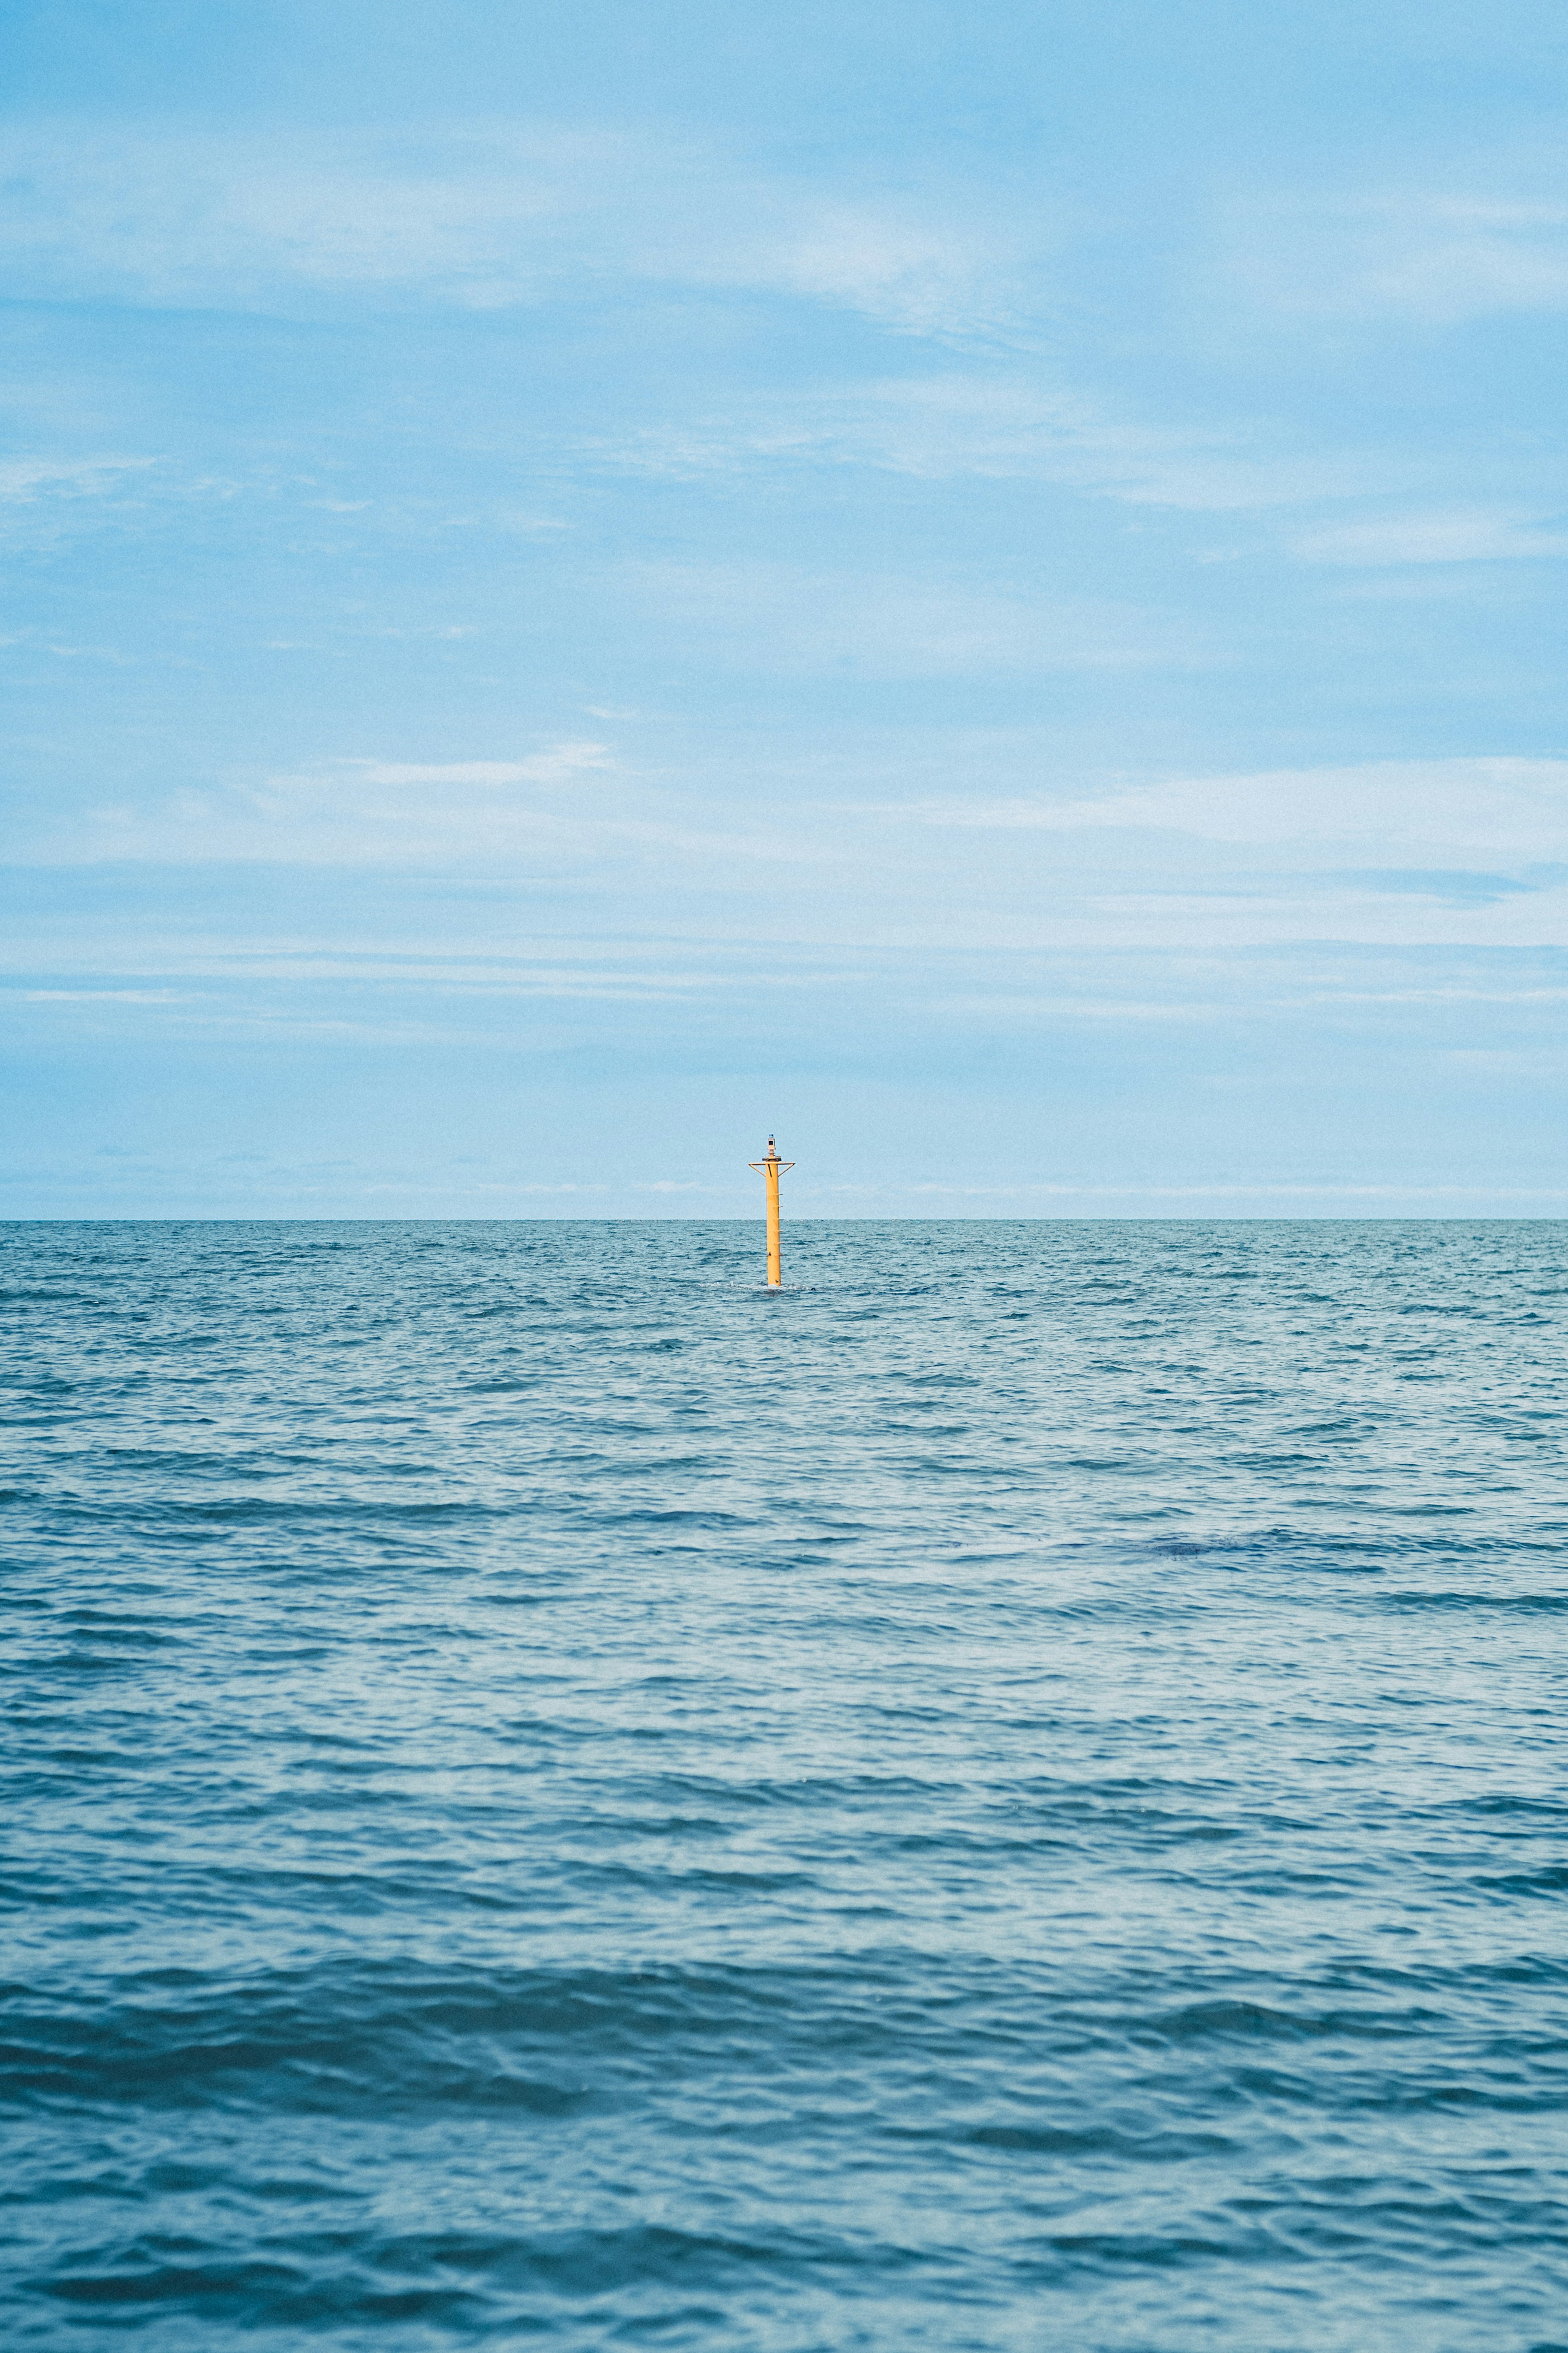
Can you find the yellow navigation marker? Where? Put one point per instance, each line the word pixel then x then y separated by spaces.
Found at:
pixel 770 1168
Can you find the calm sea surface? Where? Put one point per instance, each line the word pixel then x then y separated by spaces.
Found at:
pixel 1012 1795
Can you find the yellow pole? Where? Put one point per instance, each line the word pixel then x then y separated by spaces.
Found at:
pixel 770 1168
pixel 775 1268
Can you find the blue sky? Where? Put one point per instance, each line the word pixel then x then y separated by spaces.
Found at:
pixel 982 589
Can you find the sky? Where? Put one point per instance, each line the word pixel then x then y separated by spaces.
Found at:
pixel 980 589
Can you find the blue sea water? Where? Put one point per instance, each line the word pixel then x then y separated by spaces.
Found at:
pixel 1009 1795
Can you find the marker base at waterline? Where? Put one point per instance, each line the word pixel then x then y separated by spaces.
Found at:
pixel 771 1168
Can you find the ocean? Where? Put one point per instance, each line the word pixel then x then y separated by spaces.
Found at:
pixel 1011 1794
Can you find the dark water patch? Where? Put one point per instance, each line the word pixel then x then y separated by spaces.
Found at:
pixel 1478 1605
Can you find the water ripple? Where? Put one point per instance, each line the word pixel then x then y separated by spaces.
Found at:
pixel 1010 1795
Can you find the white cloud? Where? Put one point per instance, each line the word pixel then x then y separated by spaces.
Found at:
pixel 905 265
pixel 480 216
pixel 568 816
pixel 23 481
pixel 1444 852
pixel 354 812
pixel 1008 428
pixel 1430 257
pixel 1477 534
pixel 177 216
pixel 783 617
pixel 103 996
pixel 1421 813
pixel 561 764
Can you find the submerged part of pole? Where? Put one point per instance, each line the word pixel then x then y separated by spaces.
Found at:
pixel 770 1169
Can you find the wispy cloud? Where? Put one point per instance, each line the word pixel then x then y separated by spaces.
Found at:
pixel 25 480
pixel 785 618
pixel 479 217
pixel 1464 810
pixel 103 996
pixel 1006 427
pixel 175 216
pixel 563 764
pixel 1445 852
pixel 1428 255
pixel 1473 534
pixel 355 812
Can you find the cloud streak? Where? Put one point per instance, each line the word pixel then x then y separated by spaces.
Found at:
pixel 785 618
pixel 1417 256
pixel 1445 851
pixel 24 482
pixel 1474 811
pixel 1007 428
pixel 1473 534
pixel 478 217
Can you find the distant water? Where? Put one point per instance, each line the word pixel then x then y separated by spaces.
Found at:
pixel 1013 1794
